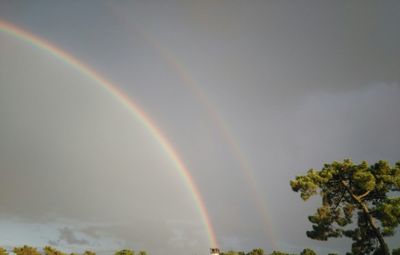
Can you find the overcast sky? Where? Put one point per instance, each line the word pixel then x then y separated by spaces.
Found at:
pixel 250 94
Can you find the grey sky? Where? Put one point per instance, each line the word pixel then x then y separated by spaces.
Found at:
pixel 297 84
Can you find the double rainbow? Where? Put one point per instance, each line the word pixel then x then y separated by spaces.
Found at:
pixel 129 104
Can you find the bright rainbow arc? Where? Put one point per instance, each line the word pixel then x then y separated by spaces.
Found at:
pixel 244 164
pixel 133 108
pixel 228 137
pixel 190 83
pixel 231 141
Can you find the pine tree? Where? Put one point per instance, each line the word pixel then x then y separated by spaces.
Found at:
pixel 349 191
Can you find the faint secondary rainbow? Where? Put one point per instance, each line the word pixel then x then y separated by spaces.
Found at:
pixel 176 65
pixel 226 133
pixel 133 108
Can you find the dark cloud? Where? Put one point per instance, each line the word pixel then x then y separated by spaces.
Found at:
pixel 67 235
pixel 91 161
pixel 154 236
pixel 297 84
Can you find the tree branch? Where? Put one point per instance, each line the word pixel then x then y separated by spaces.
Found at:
pixel 367 214
pixel 364 195
pixel 340 200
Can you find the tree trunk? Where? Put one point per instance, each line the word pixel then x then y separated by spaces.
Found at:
pixel 378 234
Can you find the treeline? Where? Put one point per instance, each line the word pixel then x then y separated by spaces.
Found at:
pixel 304 252
pixel 261 252
pixel 48 250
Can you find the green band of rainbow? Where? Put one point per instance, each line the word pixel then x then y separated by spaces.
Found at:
pixel 133 108
pixel 179 68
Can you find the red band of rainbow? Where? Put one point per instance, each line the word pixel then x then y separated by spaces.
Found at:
pixel 133 108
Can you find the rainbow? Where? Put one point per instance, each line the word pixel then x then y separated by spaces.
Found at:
pixel 129 104
pixel 226 133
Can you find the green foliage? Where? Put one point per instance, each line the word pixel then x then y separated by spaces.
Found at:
pixel 125 252
pixel 3 251
pixel 278 253
pixel 258 251
pixel 350 191
pixel 396 251
pixel 230 253
pixel 26 250
pixel 308 252
pixel 48 250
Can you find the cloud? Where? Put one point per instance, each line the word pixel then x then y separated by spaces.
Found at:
pixel 361 124
pixel 68 236
pixel 86 161
pixel 291 85
pixel 156 236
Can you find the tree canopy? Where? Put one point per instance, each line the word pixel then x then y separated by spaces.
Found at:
pixel 125 252
pixel 308 252
pixel 48 250
pixel 3 251
pixel 26 250
pixel 358 201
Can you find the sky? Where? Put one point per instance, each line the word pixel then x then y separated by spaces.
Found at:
pixel 249 94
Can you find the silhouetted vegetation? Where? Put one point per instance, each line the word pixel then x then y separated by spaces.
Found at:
pixel 261 252
pixel 362 193
pixel 48 250
pixel 360 197
pixel 26 250
pixel 306 251
pixel 3 251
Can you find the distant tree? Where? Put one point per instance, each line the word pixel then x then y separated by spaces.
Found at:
pixel 26 250
pixel 142 253
pixel 348 189
pixel 258 251
pixel 396 251
pixel 48 250
pixel 89 253
pixel 3 251
pixel 308 252
pixel 279 253
pixel 231 252
pixel 125 252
